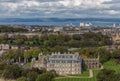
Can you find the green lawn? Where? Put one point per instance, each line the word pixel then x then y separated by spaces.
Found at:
pixel 80 79
pixel 84 74
pixel 76 79
pixel 28 64
pixel 95 72
pixel 112 65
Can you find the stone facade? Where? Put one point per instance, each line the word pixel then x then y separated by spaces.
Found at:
pixel 64 63
pixel 92 63
pixel 61 63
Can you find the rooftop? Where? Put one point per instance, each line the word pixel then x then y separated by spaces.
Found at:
pixel 75 57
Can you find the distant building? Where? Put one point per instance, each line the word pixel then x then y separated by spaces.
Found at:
pixel 114 25
pixel 85 24
pixel 58 29
pixel 4 47
pixel 115 38
pixel 64 63
pixel 14 47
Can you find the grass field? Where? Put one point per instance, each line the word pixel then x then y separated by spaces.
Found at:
pixel 80 79
pixel 76 79
pixel 112 65
pixel 84 74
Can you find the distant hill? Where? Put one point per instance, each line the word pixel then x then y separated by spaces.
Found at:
pixel 58 19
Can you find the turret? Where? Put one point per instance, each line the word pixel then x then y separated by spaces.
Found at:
pixel 33 62
pixel 98 56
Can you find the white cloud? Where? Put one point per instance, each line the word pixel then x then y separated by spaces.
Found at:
pixel 111 12
pixel 9 6
pixel 29 3
pixel 53 8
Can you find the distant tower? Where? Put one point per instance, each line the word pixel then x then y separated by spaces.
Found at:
pixel 85 24
pixel 33 62
pixel 82 24
pixel 90 24
pixel 114 25
pixel 98 56
pixel 42 60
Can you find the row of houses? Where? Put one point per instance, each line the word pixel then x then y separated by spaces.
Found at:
pixel 4 48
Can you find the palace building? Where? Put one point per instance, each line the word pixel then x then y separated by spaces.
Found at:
pixel 64 63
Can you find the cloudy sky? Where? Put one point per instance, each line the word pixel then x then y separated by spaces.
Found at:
pixel 59 8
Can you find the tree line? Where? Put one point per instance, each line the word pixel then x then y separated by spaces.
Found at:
pixel 108 75
pixel 15 72
pixel 10 29
pixel 53 43
pixel 89 39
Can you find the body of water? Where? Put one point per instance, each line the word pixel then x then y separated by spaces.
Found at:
pixel 60 22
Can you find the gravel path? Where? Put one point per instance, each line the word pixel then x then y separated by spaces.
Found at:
pixel 90 75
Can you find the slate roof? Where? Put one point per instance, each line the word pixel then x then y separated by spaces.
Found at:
pixel 72 57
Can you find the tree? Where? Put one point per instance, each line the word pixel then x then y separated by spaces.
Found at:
pixel 104 54
pixel 20 54
pixel 36 52
pixel 106 75
pixel 38 71
pixel 26 55
pixel 3 38
pixel 12 72
pixel 47 43
pixel 12 29
pixel 53 72
pixel 116 54
pixel 11 55
pixel 31 75
pixel 45 77
pixel 2 67
pixel 19 39
pixel 67 38
pixel 60 49
pixel 22 79
pixel 76 36
pixel 117 77
pixel 42 38
pixel 74 43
